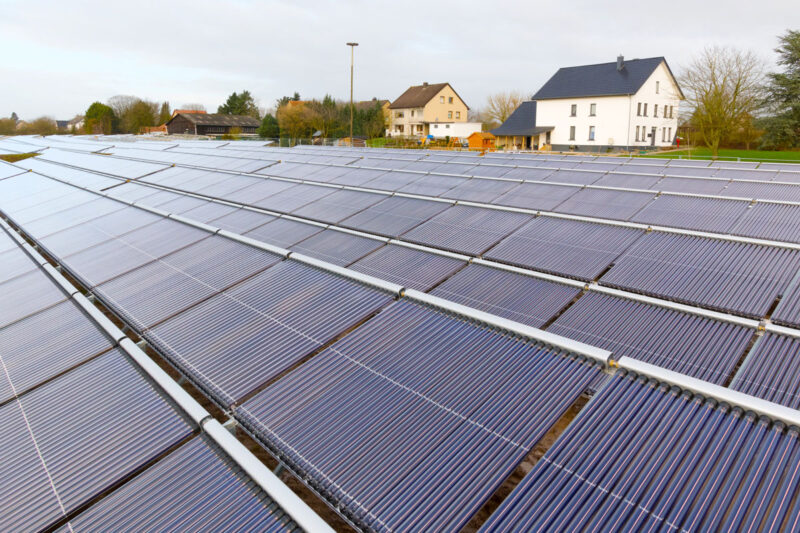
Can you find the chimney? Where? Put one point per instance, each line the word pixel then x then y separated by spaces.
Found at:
pixel 620 62
pixel 424 83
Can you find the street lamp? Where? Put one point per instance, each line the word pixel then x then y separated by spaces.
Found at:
pixel 352 46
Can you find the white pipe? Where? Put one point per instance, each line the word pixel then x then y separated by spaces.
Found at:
pixel 699 311
pixel 597 354
pixel 771 410
pixel 530 273
pixel 101 320
pixel 194 223
pixel 283 252
pixel 300 512
pixel 428 249
pixel 60 280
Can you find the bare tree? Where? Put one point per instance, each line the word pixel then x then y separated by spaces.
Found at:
pixel 193 107
pixel 724 89
pixel 499 106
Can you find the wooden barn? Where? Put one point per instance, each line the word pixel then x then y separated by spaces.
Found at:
pixel 210 123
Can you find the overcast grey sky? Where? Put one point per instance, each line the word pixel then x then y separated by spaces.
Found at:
pixel 60 55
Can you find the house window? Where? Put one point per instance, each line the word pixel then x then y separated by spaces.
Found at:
pixel 592 110
pixel 645 110
pixel 670 111
pixel 663 134
pixel 419 127
pixel 573 110
pixel 591 133
pixel 669 135
pixel 400 128
pixel 572 133
pixel 657 84
pixel 449 114
pixel 450 100
pixel 655 110
pixel 458 114
pixel 412 112
pixel 399 114
pixel 639 109
pixel 441 99
pixel 447 126
pixel 637 134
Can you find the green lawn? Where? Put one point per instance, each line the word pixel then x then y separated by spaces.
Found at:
pixel 744 155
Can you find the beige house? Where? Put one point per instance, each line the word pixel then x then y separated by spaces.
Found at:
pixel 413 112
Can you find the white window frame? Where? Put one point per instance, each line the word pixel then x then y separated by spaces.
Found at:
pixel 592 110
pixel 572 133
pixel 573 110
pixel 592 133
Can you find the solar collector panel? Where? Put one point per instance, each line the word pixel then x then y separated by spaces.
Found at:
pixel 87 440
pixel 514 296
pixel 27 294
pixel 605 203
pixel 45 344
pixel 192 489
pixel 395 215
pixel 466 229
pixel 252 332
pixel 573 248
pixel 409 268
pixel 337 247
pixel 679 463
pixel 736 277
pixel 452 441
pixel 772 370
pixel 337 206
pixel 693 345
pixel 537 196
pixel 701 214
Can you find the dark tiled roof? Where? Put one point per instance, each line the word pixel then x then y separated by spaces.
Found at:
pixel 417 96
pixel 522 122
pixel 599 80
pixel 218 119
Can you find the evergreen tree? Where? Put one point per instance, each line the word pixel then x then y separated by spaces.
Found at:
pixel 783 96
pixel 240 104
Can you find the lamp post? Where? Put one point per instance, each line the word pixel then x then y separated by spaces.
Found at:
pixel 352 47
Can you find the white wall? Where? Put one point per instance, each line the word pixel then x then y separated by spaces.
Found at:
pixel 667 96
pixel 610 120
pixel 615 120
pixel 454 129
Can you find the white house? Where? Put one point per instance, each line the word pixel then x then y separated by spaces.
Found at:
pixel 621 105
pixel 453 129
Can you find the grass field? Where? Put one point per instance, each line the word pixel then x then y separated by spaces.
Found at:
pixel 11 158
pixel 744 155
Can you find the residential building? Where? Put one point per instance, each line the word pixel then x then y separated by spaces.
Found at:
pixel 210 123
pixel 626 105
pixel 520 130
pixel 413 112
